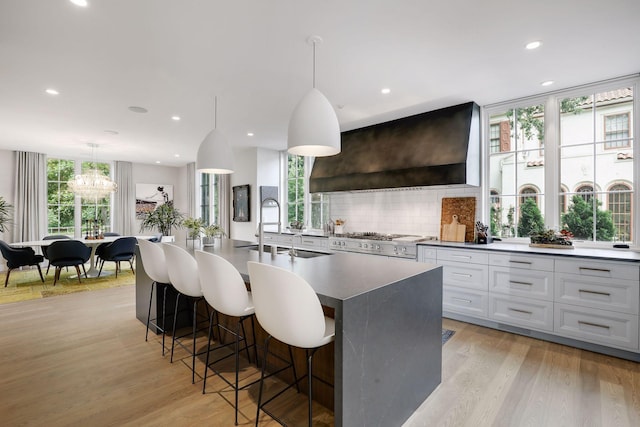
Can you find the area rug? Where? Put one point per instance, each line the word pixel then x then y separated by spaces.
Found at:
pixel 446 334
pixel 26 285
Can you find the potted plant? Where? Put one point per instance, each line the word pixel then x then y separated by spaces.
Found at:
pixel 5 214
pixel 210 233
pixel 165 218
pixel 194 227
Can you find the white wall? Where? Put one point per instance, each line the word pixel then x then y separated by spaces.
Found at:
pixel 398 211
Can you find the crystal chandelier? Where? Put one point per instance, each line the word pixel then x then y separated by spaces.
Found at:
pixel 92 184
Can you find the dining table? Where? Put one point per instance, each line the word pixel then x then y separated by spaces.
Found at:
pixel 92 243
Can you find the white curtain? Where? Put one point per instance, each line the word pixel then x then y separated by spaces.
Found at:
pixel 30 205
pixel 224 203
pixel 191 189
pixel 124 200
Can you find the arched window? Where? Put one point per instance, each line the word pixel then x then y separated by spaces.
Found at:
pixel 586 192
pixel 619 204
pixel 563 199
pixel 528 192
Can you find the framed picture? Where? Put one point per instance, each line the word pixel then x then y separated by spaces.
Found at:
pixel 241 203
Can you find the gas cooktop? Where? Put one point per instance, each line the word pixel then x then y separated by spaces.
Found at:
pixel 384 237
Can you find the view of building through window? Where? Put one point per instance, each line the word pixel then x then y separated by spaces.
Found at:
pixel 209 198
pixel 595 163
pixel 299 202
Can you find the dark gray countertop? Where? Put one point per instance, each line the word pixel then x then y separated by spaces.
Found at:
pixel 596 253
pixel 335 278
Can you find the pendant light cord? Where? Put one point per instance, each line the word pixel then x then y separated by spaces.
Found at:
pixel 215 112
pixel 314 64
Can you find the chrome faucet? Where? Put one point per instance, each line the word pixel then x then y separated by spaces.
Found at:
pixel 262 224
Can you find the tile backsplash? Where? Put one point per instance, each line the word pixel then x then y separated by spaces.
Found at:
pixel 399 211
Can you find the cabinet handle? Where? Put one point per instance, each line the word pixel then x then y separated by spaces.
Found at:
pixel 468 301
pixel 517 310
pixel 602 270
pixel 308 241
pixel 463 275
pixel 461 256
pixel 515 282
pixel 521 262
pixel 586 291
pixel 580 322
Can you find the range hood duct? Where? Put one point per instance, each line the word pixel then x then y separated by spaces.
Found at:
pixel 440 147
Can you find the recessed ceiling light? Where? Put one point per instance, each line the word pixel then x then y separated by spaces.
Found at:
pixel 157 161
pixel 533 45
pixel 138 109
pixel 176 155
pixel 385 91
pixel 176 118
pixel 81 3
pixel 547 83
pixel 111 132
pixel 52 92
pixel 249 133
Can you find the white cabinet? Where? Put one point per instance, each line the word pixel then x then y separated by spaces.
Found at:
pixel 594 300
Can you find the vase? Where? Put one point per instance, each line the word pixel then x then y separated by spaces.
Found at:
pixel 208 241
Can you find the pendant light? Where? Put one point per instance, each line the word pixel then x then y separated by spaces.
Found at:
pixel 313 127
pixel 214 154
pixel 92 184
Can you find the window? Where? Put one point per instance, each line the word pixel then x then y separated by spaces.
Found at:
pixel 209 198
pixel 311 209
pixel 521 136
pixel 589 171
pixel 616 131
pixel 620 207
pixel 60 201
pixel 494 138
pixel 68 214
pixel 591 124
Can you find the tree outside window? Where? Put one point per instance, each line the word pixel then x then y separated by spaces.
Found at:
pixel 60 201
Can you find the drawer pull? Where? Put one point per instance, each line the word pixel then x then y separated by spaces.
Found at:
pixel 517 310
pixel 607 294
pixel 521 262
pixel 515 282
pixel 601 270
pixel 461 256
pixel 468 301
pixel 308 241
pixel 463 275
pixel 580 322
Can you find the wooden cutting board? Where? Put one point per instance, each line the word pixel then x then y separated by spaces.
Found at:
pixel 453 232
pixel 465 209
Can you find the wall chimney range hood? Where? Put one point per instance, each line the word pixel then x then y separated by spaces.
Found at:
pixel 440 147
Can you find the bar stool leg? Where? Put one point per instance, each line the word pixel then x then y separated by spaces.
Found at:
pixel 264 367
pixel 175 317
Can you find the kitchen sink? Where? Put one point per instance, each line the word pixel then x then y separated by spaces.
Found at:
pixel 300 253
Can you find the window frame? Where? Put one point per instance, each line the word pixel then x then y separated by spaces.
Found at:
pixel 551 148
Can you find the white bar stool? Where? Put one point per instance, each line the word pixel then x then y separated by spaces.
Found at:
pixel 183 272
pixel 288 309
pixel 155 266
pixel 225 291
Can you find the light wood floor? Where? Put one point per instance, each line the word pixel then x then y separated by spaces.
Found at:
pixel 81 359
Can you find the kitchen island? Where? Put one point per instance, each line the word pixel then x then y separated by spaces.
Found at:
pixel 388 315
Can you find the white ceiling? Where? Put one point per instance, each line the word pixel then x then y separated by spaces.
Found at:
pixel 173 56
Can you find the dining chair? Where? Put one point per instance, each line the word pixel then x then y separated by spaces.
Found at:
pixel 122 249
pixel 183 272
pixel 45 248
pixel 68 253
pixel 289 310
pixel 224 289
pixel 19 257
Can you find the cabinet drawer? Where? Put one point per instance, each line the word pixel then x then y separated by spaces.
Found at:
pixel 588 291
pixel 527 262
pixel 607 269
pixel 532 314
pixel 427 254
pixel 468 256
pixel 472 276
pixel 524 283
pixel 465 301
pixel 597 326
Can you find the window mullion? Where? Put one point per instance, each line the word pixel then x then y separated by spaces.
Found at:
pixel 552 163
